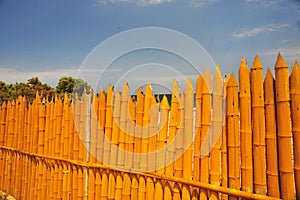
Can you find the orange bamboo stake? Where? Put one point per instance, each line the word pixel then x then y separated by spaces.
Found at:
pixel 97 184
pixel 129 139
pixel 111 186
pixel 188 130
pixel 123 124
pixel 258 118
pixel 295 105
pixel 172 130
pixel 142 188
pixel 158 195
pixel 233 134
pixel 108 125
pixel 153 129
pixel 149 189
pixel 287 185
pixel 178 171
pixel 7 163
pixel 93 157
pixel 126 187
pixel 2 142
pixel 101 126
pixel 271 138
pixel 162 138
pixel 217 124
pixel 134 188
pixel 146 126
pixel 186 193
pixel 138 129
pixel 115 131
pixel 119 187
pixel 167 191
pixel 245 128
pixel 14 122
pixel 176 192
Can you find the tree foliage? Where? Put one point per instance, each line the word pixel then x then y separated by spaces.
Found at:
pixel 71 85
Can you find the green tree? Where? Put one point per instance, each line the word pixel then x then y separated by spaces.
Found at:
pixel 67 84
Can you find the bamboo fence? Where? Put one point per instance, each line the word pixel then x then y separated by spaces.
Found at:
pixel 225 139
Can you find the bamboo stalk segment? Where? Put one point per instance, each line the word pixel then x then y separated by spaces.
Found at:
pixel 149 189
pixel 119 187
pixel 115 130
pixel 167 191
pixel 295 107
pixel 134 188
pixel 284 134
pixel 171 141
pixel 271 137
pixel 106 186
pixel 129 139
pixel 188 130
pixel 159 191
pixel 126 192
pixel 111 186
pixel 93 157
pixel 245 128
pixel 153 129
pixel 258 118
pixel 233 134
pixel 142 188
pixel 197 139
pixel 101 125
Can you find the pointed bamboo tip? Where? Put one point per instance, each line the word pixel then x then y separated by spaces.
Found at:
pixel 199 86
pixel 218 70
pixel 243 67
pixel 256 63
pixel 164 103
pixel 280 62
pixel 296 70
pixel 232 81
pixel 205 89
pixel 269 75
pixel 148 89
pixel 13 102
pixel 175 88
pixel 4 105
pixel 189 84
pixel 37 96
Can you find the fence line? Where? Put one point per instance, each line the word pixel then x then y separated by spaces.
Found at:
pixel 240 140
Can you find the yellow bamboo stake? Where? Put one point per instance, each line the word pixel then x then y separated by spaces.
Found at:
pixel 162 137
pixel 188 130
pixel 14 122
pixel 153 129
pixel 97 184
pixel 176 192
pixel 178 167
pixel 146 126
pixel 119 187
pixel 271 138
pixel 108 125
pixel 217 124
pixel 149 189
pixel 158 194
pixel 138 129
pixel 123 124
pixel 142 188
pixel 172 129
pixel 111 186
pixel 129 139
pixel 2 141
pixel 126 192
pixel 245 128
pixel 197 140
pixel 233 134
pixel 167 192
pixel 101 125
pixel 287 185
pixel 93 157
pixel 258 118
pixel 295 105
pixel 115 131
pixel 134 188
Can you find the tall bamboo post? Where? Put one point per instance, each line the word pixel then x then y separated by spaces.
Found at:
pixel 115 130
pixel 101 125
pixel 233 134
pixel 153 129
pixel 258 118
pixel 197 140
pixel 123 124
pixel 295 106
pixel 108 125
pixel 217 125
pixel 149 188
pixel 162 137
pixel 111 188
pixel 172 130
pixel 158 194
pixel 138 128
pixel 8 139
pixel 287 185
pixel 129 139
pixel 119 187
pixel 97 183
pixel 105 186
pixel 188 130
pixel 126 192
pixel 178 171
pixel 134 188
pixel 245 128
pixel 271 138
pixel 2 141
pixel 94 127
pixel 14 136
pixel 142 188
pixel 146 126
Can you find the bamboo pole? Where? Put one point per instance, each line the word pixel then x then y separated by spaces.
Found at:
pixel 108 125
pixel 146 126
pixel 2 141
pixel 97 184
pixel 115 130
pixel 186 193
pixel 119 187
pixel 217 125
pixel 271 138
pixel 126 192
pixel 258 118
pixel 138 128
pixel 176 192
pixel 93 157
pixel 106 185
pixel 123 125
pixel 295 105
pixel 188 130
pixel 287 186
pixel 149 188
pixel 167 191
pixel 134 188
pixel 111 186
pixel 178 167
pixel 142 188
pixel 245 128
pixel 158 194
pixel 101 125
pixel 162 137
pixel 153 129
pixel 233 134
pixel 171 141
pixel 197 140
pixel 129 139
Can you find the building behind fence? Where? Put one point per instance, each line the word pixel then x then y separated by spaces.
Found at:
pixel 242 139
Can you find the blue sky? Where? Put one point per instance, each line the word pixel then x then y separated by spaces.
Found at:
pixel 50 39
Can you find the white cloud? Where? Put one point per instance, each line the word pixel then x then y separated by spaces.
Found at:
pixel 136 2
pixel 245 33
pixel 263 3
pixel 201 3
pixel 291 53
